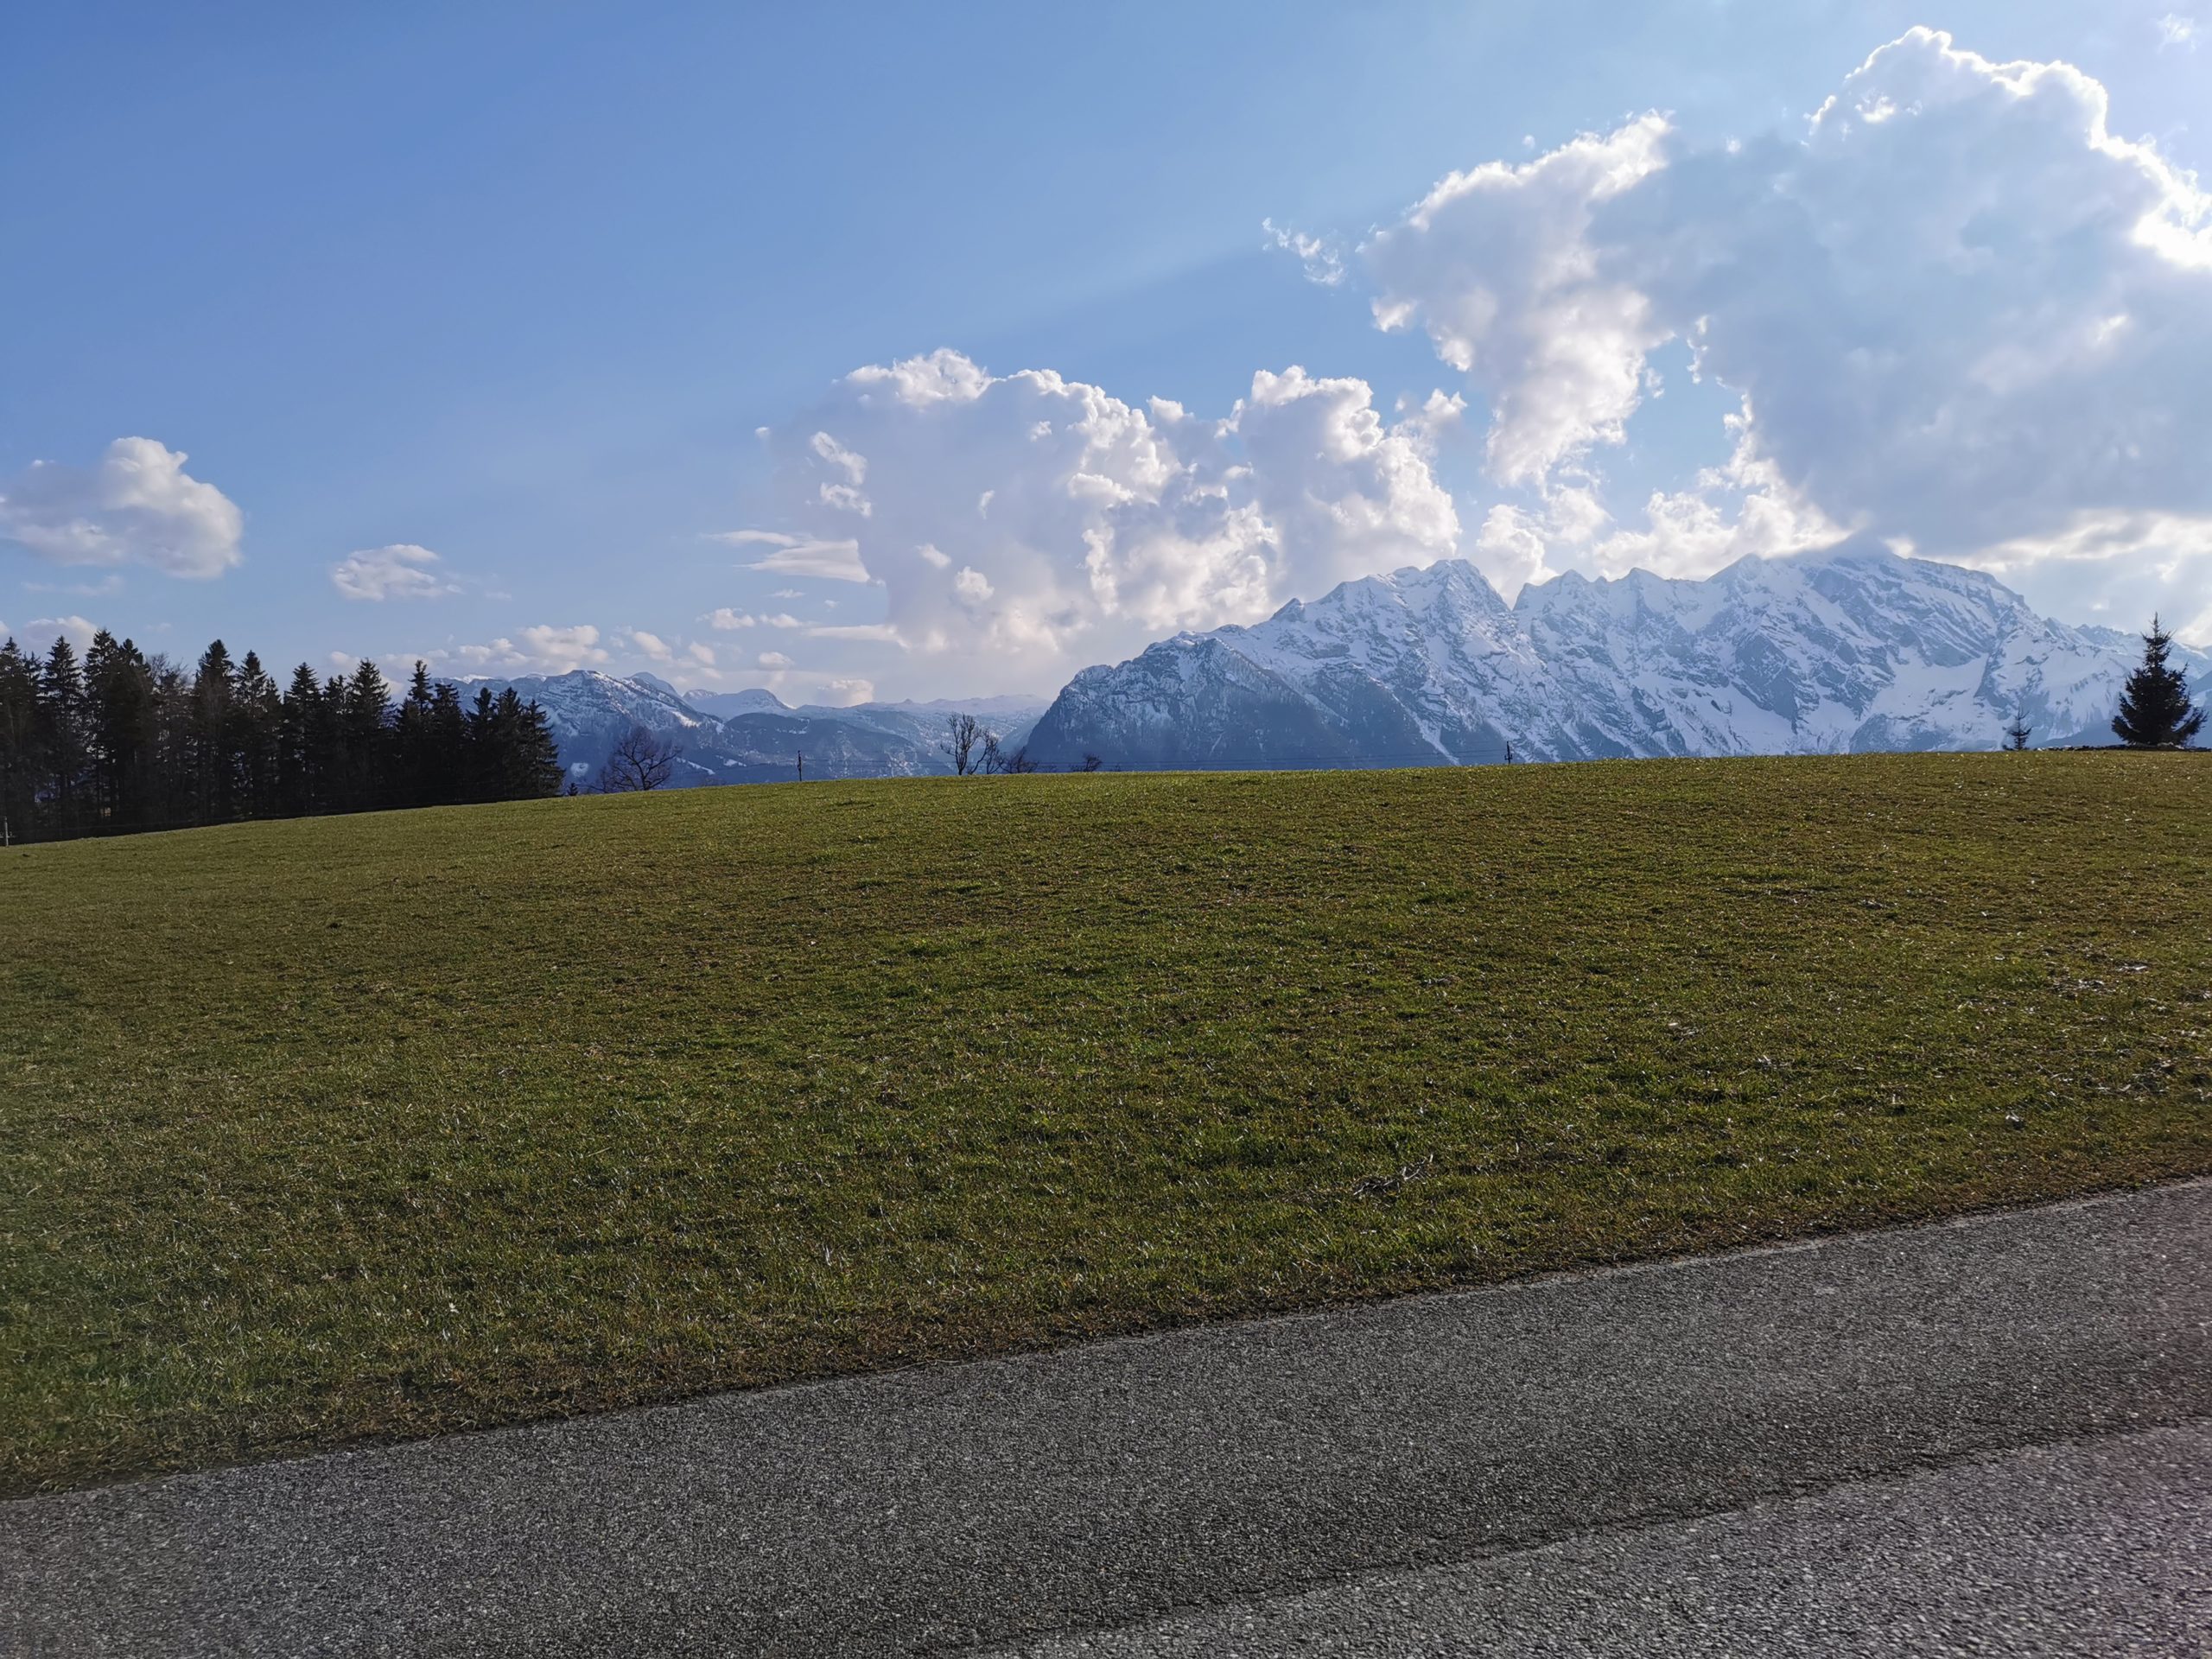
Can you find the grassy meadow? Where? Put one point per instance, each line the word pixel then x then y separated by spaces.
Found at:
pixel 359 1128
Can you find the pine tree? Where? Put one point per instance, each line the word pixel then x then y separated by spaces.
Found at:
pixel 214 756
pixel 299 783
pixel 414 741
pixel 119 688
pixel 174 794
pixel 20 763
pixel 448 744
pixel 484 748
pixel 105 746
pixel 62 736
pixel 364 712
pixel 533 768
pixel 257 711
pixel 2154 706
pixel 505 780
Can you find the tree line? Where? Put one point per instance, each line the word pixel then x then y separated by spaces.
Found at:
pixel 121 741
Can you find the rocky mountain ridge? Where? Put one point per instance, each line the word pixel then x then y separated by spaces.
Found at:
pixel 1848 648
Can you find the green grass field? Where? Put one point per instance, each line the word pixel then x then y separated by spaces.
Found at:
pixel 320 1131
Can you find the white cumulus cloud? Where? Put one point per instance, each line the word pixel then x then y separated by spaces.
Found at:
pixel 542 649
pixel 1957 311
pixel 725 620
pixel 1043 522
pixel 1498 266
pixel 38 634
pixel 401 571
pixel 565 648
pixel 135 505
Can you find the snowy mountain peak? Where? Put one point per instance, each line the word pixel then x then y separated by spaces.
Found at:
pixel 1847 647
pixel 726 705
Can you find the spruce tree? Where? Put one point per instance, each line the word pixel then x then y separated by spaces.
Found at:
pixel 298 759
pixel 103 746
pixel 507 723
pixel 448 744
pixel 365 718
pixel 214 750
pixel 333 759
pixel 176 793
pixel 484 748
pixel 257 711
pixel 62 736
pixel 119 688
pixel 532 768
pixel 2154 706
pixel 19 758
pixel 414 741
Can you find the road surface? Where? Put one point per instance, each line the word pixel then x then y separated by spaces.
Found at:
pixel 1987 1436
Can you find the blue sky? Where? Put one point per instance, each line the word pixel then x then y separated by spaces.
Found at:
pixel 521 286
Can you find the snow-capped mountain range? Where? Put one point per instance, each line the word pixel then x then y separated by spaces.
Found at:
pixel 750 736
pixel 1848 648
pixel 1845 649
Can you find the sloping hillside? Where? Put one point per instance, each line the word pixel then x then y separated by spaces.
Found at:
pixel 414 1121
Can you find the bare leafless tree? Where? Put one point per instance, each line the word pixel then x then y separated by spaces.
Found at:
pixel 639 761
pixel 965 741
pixel 997 758
pixel 1091 763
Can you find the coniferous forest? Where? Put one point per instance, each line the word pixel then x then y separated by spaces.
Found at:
pixel 121 740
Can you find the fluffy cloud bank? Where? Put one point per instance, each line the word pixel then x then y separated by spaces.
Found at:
pixel 38 635
pixel 542 649
pixel 1046 521
pixel 135 505
pixel 1957 310
pixel 1952 310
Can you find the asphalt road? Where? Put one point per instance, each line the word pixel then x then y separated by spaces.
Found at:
pixel 2099 1547
pixel 1686 1439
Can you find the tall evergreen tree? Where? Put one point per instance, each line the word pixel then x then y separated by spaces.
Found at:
pixel 215 749
pixel 529 762
pixel 334 764
pixel 20 761
pixel 483 746
pixel 102 745
pixel 414 742
pixel 2154 706
pixel 62 736
pixel 119 688
pixel 257 714
pixel 366 738
pixel 299 784
pixel 448 743
pixel 175 796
